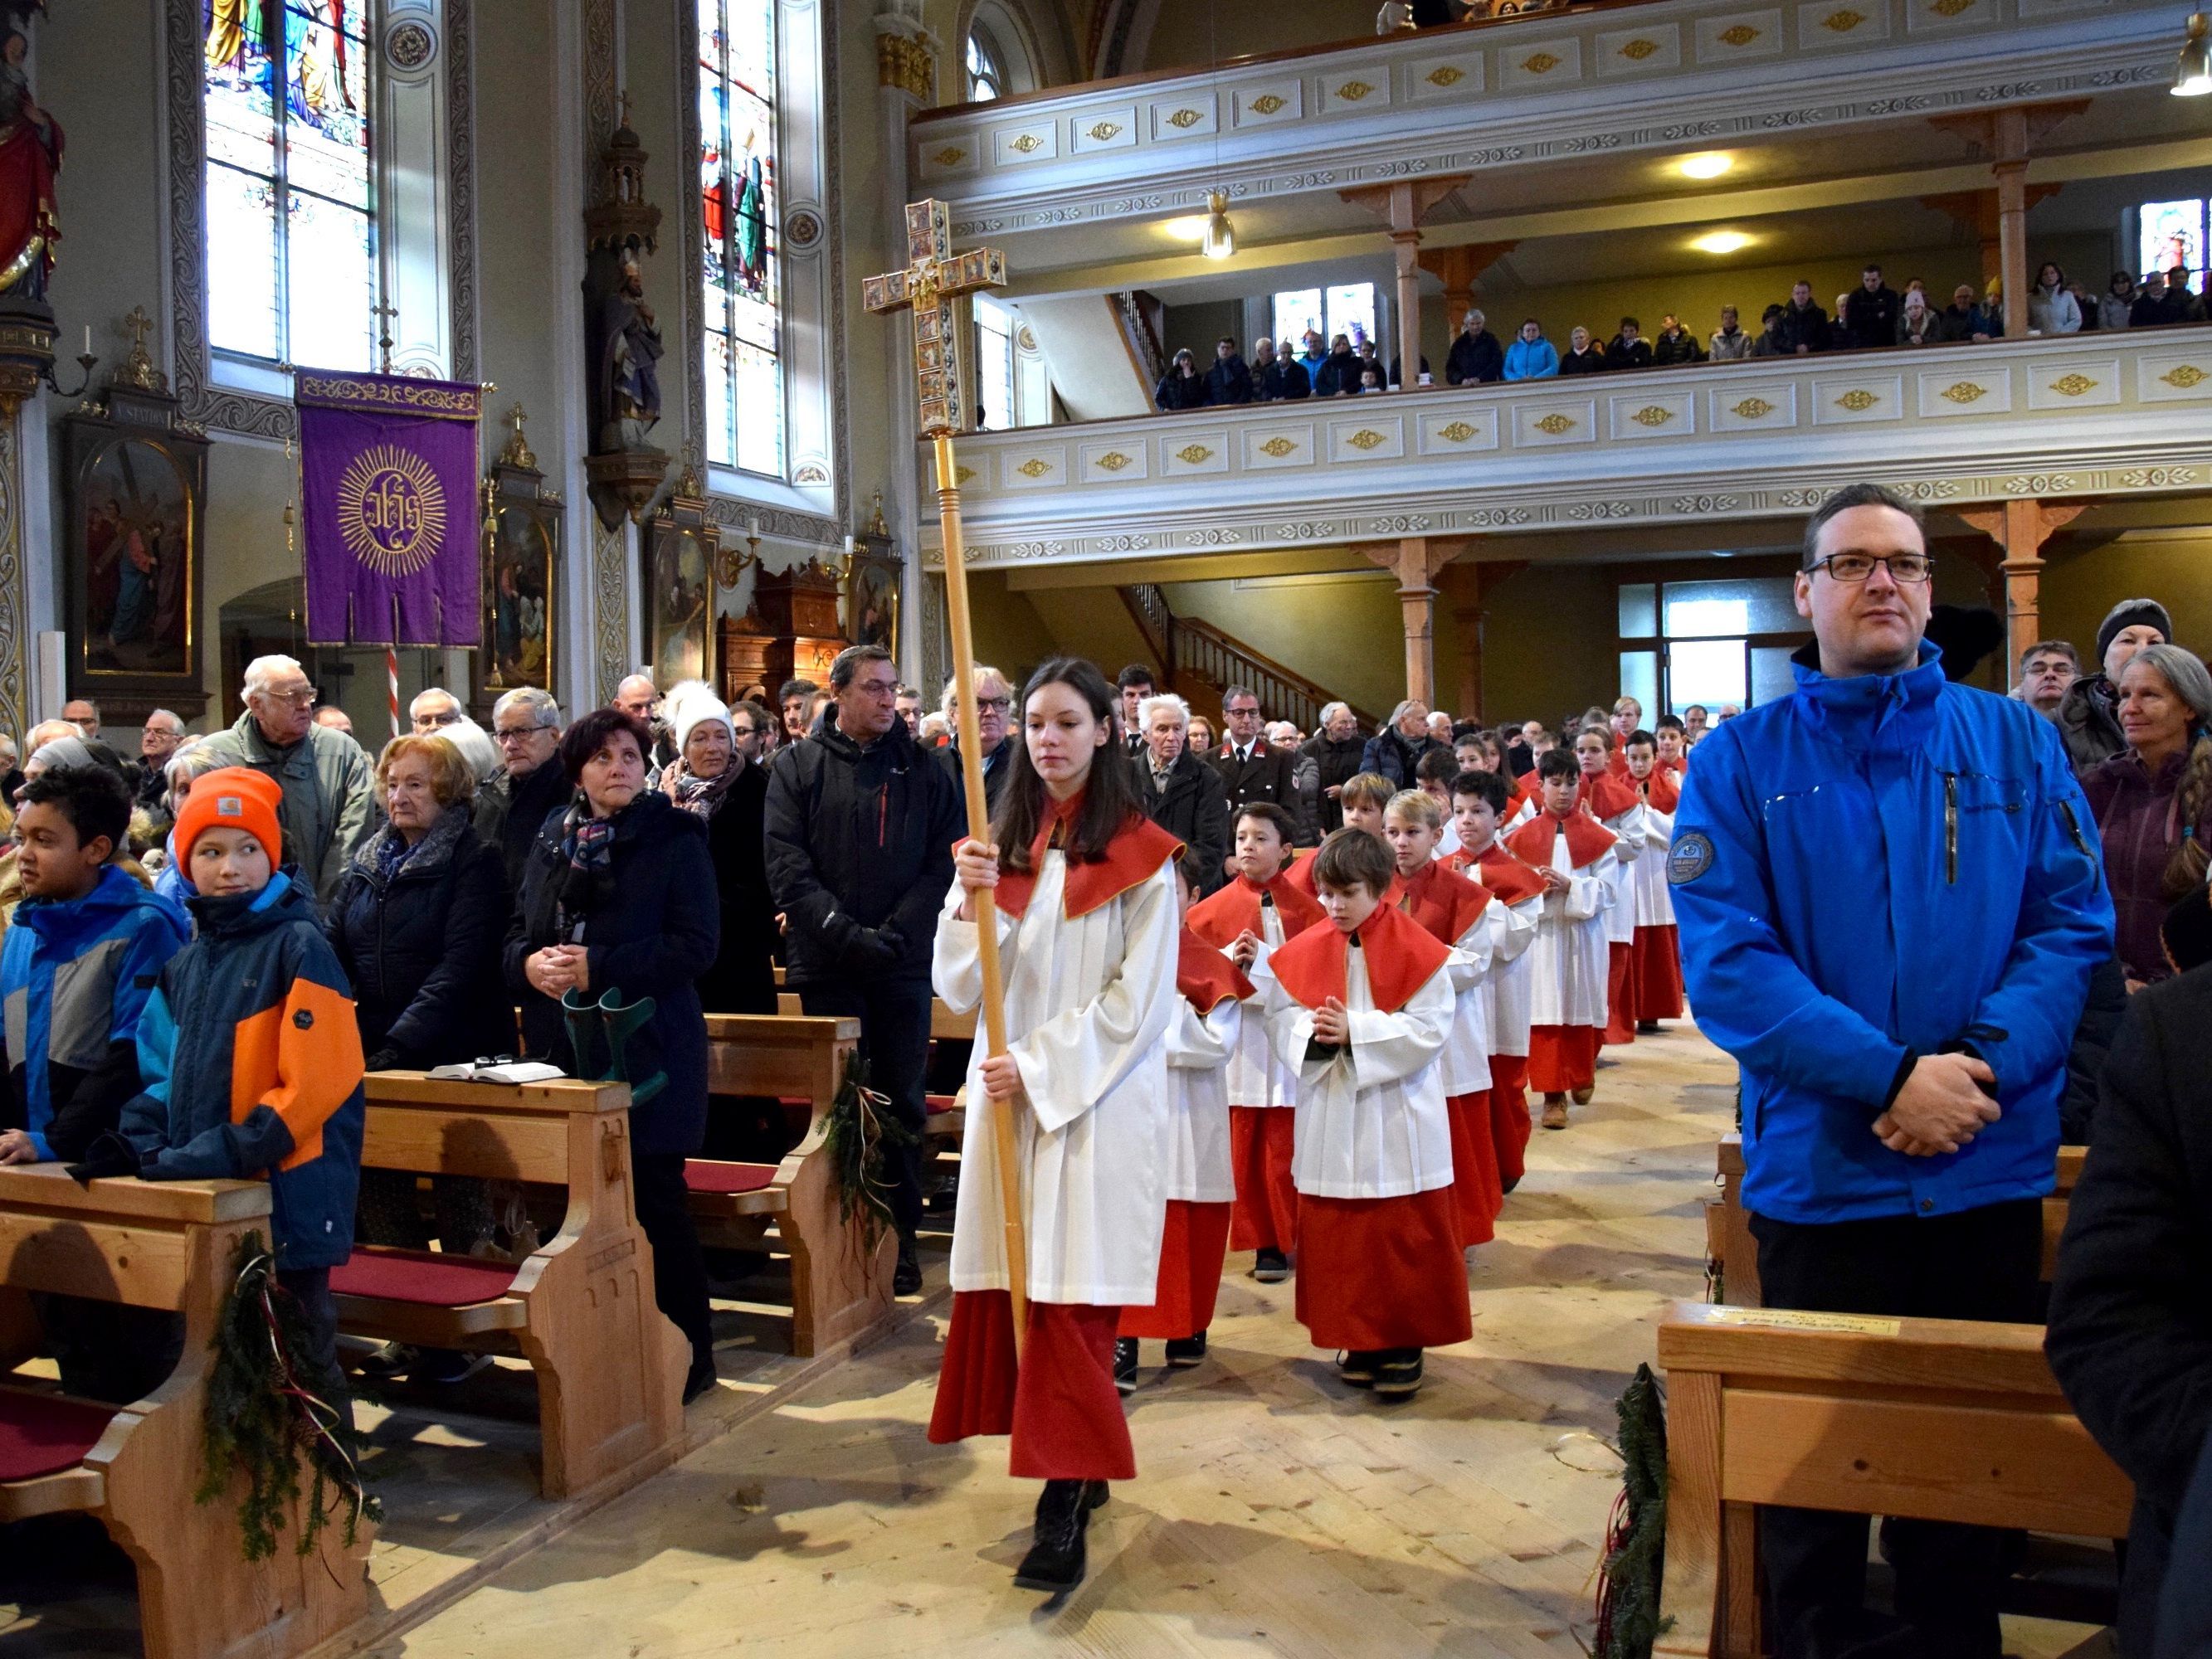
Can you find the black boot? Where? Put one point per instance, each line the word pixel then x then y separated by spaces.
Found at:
pixel 1055 1561
pixel 1271 1267
pixel 1186 1351
pixel 1125 1363
pixel 906 1278
pixel 701 1377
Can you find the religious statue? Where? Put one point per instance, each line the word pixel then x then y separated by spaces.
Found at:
pixel 629 353
pixel 30 156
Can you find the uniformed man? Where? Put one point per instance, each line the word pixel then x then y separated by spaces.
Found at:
pixel 1251 769
pixel 1891 897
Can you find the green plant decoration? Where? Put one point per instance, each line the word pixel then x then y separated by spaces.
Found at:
pixel 1628 1620
pixel 861 1136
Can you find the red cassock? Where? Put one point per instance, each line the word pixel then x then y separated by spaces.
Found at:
pixel 1376 1273
pixel 1607 795
pixel 1447 903
pixel 1262 1136
pixel 1656 972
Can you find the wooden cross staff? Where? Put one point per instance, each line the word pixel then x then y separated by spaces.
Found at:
pixel 932 279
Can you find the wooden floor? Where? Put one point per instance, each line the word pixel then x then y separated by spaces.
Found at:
pixel 1276 1512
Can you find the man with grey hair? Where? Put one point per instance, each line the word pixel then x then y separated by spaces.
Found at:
pixel 512 807
pixel 1476 357
pixel 328 806
pixel 995 698
pixel 163 731
pixel 433 710
pixel 859 829
pixel 1182 794
pixel 1327 762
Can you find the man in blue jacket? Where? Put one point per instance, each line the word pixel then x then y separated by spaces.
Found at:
pixel 1891 897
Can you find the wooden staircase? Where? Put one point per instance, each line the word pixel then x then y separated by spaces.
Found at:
pixel 1201 663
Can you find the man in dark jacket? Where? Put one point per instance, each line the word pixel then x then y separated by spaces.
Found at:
pixel 1676 345
pixel 993 697
pixel 512 807
pixel 2131 1330
pixel 1476 357
pixel 1229 381
pixel 1804 328
pixel 859 835
pixel 1183 793
pixel 1282 377
pixel 1334 751
pixel 1869 322
pixel 1339 372
pixel 1250 769
pixel 1397 750
pixel 1628 349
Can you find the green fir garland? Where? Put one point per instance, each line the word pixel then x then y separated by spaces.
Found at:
pixel 1628 1620
pixel 262 1419
pixel 859 1136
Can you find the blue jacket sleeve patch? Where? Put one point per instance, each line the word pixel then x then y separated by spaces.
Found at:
pixel 1691 857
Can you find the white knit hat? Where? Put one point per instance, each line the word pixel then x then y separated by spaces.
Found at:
pixel 687 704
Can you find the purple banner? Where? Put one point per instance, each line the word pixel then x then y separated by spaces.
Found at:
pixel 388 485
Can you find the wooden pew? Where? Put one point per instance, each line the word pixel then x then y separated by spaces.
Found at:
pixel 1935 1418
pixel 948 1113
pixel 610 1367
pixel 838 1289
pixel 1732 1254
pixel 166 1245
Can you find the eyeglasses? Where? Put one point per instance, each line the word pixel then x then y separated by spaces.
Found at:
pixel 1858 566
pixel 1001 704
pixel 298 699
pixel 517 733
pixel 453 718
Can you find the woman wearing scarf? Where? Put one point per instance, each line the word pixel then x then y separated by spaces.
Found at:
pixel 617 900
pixel 711 779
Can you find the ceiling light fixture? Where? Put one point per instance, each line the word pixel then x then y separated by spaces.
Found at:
pixel 1722 241
pixel 1191 228
pixel 1220 242
pixel 1706 164
pixel 2193 75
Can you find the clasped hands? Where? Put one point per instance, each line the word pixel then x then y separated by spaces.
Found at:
pixel 558 967
pixel 1940 1109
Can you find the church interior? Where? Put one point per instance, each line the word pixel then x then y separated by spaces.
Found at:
pixel 660 258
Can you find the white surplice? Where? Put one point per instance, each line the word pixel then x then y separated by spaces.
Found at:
pixel 1256 1076
pixel 1467 1047
pixel 1371 1121
pixel 1655 905
pixel 1570 961
pixel 1199 1169
pixel 1089 1005
pixel 1627 851
pixel 1512 931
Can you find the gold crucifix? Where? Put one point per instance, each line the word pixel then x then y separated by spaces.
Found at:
pixel 934 276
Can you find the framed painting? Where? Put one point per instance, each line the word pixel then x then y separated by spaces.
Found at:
pixel 521 582
pixel 679 589
pixel 872 602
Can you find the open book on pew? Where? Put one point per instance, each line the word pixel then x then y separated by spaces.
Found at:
pixel 503 1069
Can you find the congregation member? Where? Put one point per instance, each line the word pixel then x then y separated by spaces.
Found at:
pixel 2088 714
pixel 1804 328
pixel 2153 801
pixel 711 779
pixel 510 812
pixel 433 710
pixel 157 740
pixel 1628 349
pixel 2052 308
pixel 1228 381
pixel 1675 345
pixel 994 696
pixel 860 825
pixel 1200 735
pixel 1396 750
pixel 1654 974
pixel 1476 358
pixel 1337 375
pixel 1198 1176
pixel 1247 921
pixel 753 724
pixel 1531 356
pixel 1087 924
pixel 795 699
pixel 1381 1277
pixel 1571 961
pixel 637 697
pixel 905 701
pixel 1135 684
pixel 1868 316
pixel 334 717
pixel 611 909
pixel 2047 669
pixel 1250 768
pixel 418 925
pixel 1583 354
pixel 2116 306
pixel 1181 793
pixel 1478 806
pixel 1942 1039
pixel 249 1054
pixel 1729 343
pixel 1282 377
pixel 1966 318
pixel 325 793
pixel 1918 323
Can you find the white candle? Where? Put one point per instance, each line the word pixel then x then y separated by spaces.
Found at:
pixel 849 544
pixel 752 527
pixel 88 339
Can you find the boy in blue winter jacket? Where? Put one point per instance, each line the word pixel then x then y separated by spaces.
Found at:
pixel 250 1050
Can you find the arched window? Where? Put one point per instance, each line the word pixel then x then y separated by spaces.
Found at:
pixel 737 184
pixel 986 80
pixel 291 212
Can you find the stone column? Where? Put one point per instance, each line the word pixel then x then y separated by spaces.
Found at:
pixel 2020 528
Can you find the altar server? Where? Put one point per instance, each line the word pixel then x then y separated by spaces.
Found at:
pixel 1362 800
pixel 1479 800
pixel 1253 914
pixel 1608 796
pixel 1202 1186
pixel 1569 962
pixel 1362 1007
pixel 1656 975
pixel 1087 928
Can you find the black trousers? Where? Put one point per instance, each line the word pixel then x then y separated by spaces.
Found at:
pixel 679 1271
pixel 895 1043
pixel 1978 1264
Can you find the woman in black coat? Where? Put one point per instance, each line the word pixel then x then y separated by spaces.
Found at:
pixel 1182 386
pixel 711 779
pixel 617 898
pixel 1182 794
pixel 418 922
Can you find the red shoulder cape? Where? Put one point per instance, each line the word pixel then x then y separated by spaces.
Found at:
pixel 1445 902
pixel 1206 977
pixel 1402 957
pixel 1509 879
pixel 1616 764
pixel 1132 857
pixel 1662 789
pixel 1586 840
pixel 1220 917
pixel 1608 796
pixel 1299 876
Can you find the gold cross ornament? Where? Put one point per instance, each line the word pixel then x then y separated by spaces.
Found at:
pixel 934 276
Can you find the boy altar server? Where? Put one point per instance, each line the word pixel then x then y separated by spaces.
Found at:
pixel 1457 912
pixel 1656 973
pixel 1607 795
pixel 1480 801
pixel 1362 1008
pixel 1087 930
pixel 1253 914
pixel 1201 1183
pixel 1569 962
pixel 1361 801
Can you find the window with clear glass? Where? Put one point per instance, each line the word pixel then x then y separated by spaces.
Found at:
pixel 1713 643
pixel 1348 310
pixel 2171 233
pixel 986 80
pixel 291 213
pixel 994 365
pixel 738 191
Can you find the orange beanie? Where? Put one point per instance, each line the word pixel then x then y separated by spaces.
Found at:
pixel 231 798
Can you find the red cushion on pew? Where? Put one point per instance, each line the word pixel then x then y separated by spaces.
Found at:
pixel 936 1103
pixel 40 1434
pixel 427 1277
pixel 709 1176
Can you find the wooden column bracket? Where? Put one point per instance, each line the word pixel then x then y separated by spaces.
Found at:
pixel 2020 527
pixel 2008 138
pixel 1471 582
pixel 1415 561
pixel 1459 270
pixel 1402 205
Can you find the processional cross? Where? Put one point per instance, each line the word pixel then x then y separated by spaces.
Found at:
pixel 933 278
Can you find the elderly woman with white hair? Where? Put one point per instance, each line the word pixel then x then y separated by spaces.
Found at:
pixel 711 778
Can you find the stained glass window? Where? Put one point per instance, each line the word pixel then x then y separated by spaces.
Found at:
pixel 986 80
pixel 291 240
pixel 738 191
pixel 2172 234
